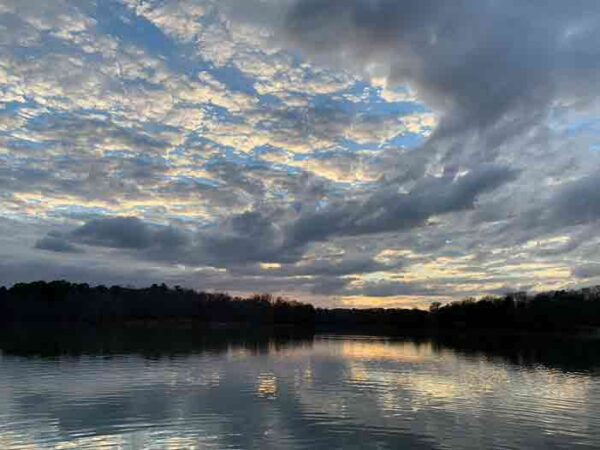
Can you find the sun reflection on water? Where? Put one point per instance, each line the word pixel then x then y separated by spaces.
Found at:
pixel 267 385
pixel 330 393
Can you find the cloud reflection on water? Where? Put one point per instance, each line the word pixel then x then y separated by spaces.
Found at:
pixel 335 392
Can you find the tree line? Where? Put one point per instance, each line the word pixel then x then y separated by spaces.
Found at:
pixel 64 302
pixel 547 311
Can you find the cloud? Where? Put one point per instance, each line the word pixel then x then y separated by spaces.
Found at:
pixel 388 210
pixel 247 237
pixel 127 233
pixel 214 140
pixel 256 236
pixel 479 63
pixel 587 271
pixel 57 244
pixel 94 272
pixel 392 289
pixel 577 202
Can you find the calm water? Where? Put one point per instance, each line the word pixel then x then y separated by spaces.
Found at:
pixel 326 392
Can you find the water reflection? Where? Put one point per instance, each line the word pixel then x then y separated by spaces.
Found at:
pixel 267 385
pixel 264 391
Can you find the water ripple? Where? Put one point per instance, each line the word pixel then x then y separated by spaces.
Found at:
pixel 339 392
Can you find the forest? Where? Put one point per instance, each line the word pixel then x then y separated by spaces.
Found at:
pixel 62 302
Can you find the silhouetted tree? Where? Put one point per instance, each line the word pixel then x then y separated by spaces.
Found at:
pixel 64 302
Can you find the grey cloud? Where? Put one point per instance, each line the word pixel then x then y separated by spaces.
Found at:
pixel 318 267
pixel 338 268
pixel 242 238
pixel 128 233
pixel 388 210
pixel 87 133
pixel 23 179
pixel 329 285
pixel 590 270
pixel 118 232
pixel 255 237
pixel 52 269
pixel 577 202
pixel 244 180
pixel 274 236
pixel 492 70
pixel 247 237
pixel 56 244
pixel 571 208
pixel 480 63
pixel 390 289
pixel 328 123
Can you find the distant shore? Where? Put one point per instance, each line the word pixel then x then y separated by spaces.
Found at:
pixel 60 302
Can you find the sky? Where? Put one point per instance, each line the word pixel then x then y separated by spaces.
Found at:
pixel 350 153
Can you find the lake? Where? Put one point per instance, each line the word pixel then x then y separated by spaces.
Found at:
pixel 323 391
